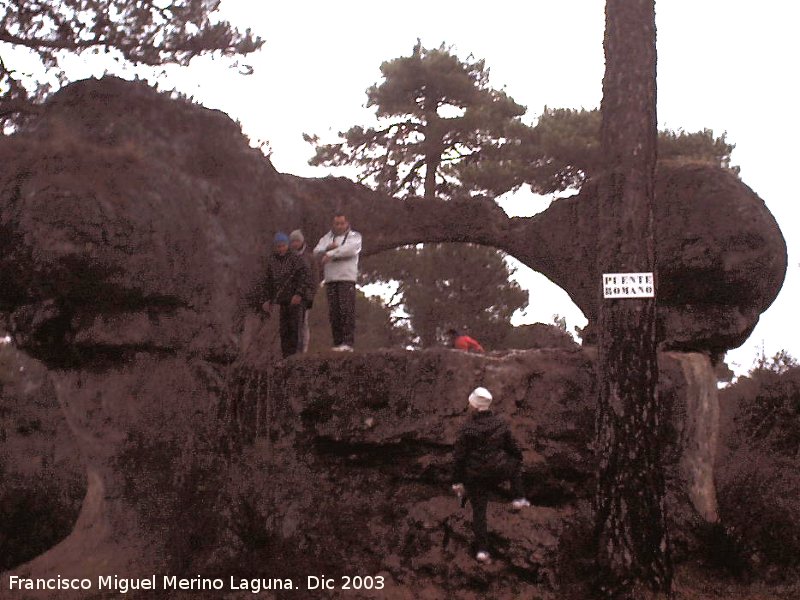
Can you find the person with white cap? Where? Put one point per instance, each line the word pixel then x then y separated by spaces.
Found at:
pixel 297 243
pixel 485 455
pixel 287 284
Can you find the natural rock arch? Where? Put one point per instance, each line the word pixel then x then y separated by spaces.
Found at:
pixel 716 276
pixel 132 227
pixel 118 201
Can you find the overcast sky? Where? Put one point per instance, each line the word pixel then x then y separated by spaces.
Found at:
pixel 728 65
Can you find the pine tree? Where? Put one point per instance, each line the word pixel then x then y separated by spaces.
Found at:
pixel 439 122
pixel 562 151
pixel 459 286
pixel 438 117
pixel 139 32
pixel 632 543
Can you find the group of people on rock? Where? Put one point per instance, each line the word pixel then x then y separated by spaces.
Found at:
pixel 293 275
pixel 485 452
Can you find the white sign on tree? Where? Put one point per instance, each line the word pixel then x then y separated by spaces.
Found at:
pixel 628 285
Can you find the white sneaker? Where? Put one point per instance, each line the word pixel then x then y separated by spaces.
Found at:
pixel 520 503
pixel 482 557
pixel 345 348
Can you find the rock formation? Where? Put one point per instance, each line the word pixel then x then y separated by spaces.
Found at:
pixel 355 463
pixel 716 275
pixel 131 231
pixel 130 220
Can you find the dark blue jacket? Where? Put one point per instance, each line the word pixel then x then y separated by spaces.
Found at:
pixel 483 447
pixel 286 276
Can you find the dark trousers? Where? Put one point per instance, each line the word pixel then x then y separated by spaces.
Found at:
pixel 478 490
pixel 342 311
pixel 291 328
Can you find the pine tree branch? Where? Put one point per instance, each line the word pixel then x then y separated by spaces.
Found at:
pixel 414 170
pixel 153 7
pixel 55 44
pixel 17 106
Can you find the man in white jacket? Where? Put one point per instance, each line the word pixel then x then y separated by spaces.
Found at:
pixel 339 250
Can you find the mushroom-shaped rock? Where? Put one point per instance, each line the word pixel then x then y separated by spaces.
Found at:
pixel 131 220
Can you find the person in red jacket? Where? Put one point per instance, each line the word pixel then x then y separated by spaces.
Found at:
pixel 461 341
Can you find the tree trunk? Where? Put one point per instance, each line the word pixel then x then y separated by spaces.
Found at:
pixel 433 151
pixel 632 545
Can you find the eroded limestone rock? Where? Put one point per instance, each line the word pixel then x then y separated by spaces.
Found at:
pixel 131 229
pixel 131 221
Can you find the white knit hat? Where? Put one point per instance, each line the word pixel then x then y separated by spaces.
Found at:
pixel 480 398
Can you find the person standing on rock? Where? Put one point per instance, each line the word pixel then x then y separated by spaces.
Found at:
pixel 297 243
pixel 485 455
pixel 287 283
pixel 338 251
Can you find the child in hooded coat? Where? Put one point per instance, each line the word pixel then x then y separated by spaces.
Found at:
pixel 485 455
